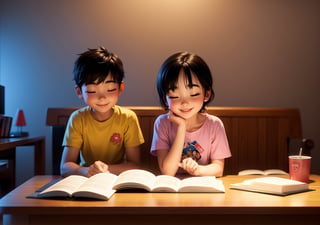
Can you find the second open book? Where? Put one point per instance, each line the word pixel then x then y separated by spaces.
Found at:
pixel 104 185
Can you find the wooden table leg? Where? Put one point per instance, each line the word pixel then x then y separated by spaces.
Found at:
pixel 39 157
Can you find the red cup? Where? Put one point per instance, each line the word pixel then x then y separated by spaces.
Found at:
pixel 299 167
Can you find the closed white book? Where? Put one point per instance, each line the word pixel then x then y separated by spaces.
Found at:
pixel 272 185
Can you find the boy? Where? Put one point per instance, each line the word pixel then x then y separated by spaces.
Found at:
pixel 105 136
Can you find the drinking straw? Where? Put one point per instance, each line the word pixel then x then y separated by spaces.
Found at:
pixel 300 152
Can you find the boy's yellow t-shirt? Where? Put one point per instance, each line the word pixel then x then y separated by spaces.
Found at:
pixel 105 141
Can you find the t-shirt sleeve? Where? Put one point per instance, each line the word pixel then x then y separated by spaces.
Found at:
pixel 133 135
pixel 219 146
pixel 160 139
pixel 73 133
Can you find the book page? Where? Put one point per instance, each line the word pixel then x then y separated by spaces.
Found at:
pixel 135 178
pixel 261 172
pixel 65 187
pixel 251 172
pixel 201 184
pixel 165 183
pixel 98 186
pixel 275 172
pixel 276 183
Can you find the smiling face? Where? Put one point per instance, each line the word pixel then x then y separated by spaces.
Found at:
pixel 101 97
pixel 186 99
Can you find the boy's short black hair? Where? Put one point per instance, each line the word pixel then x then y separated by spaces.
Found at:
pixel 97 64
pixel 188 62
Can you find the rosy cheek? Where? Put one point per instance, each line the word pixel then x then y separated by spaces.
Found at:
pixel 90 97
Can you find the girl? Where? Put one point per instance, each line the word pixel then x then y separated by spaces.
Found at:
pixel 187 139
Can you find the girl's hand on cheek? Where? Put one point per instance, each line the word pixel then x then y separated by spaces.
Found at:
pixel 176 119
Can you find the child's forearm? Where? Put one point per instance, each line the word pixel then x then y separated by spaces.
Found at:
pixel 213 169
pixel 71 168
pixel 170 164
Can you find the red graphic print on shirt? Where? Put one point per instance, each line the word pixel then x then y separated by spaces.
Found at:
pixel 193 150
pixel 115 138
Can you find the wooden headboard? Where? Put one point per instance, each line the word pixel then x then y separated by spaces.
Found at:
pixel 258 137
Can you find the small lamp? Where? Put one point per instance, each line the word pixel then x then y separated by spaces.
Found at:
pixel 19 121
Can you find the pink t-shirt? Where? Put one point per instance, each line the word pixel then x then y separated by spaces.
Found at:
pixel 205 144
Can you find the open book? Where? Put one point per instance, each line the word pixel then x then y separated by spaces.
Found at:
pixel 272 185
pixel 104 185
pixel 262 172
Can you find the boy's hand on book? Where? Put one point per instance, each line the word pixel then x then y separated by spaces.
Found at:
pixel 97 167
pixel 191 166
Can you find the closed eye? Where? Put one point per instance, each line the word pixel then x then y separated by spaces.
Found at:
pixel 194 95
pixel 172 97
pixel 112 90
pixel 90 92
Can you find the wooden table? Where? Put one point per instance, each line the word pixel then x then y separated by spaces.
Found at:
pixel 8 152
pixel 231 207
